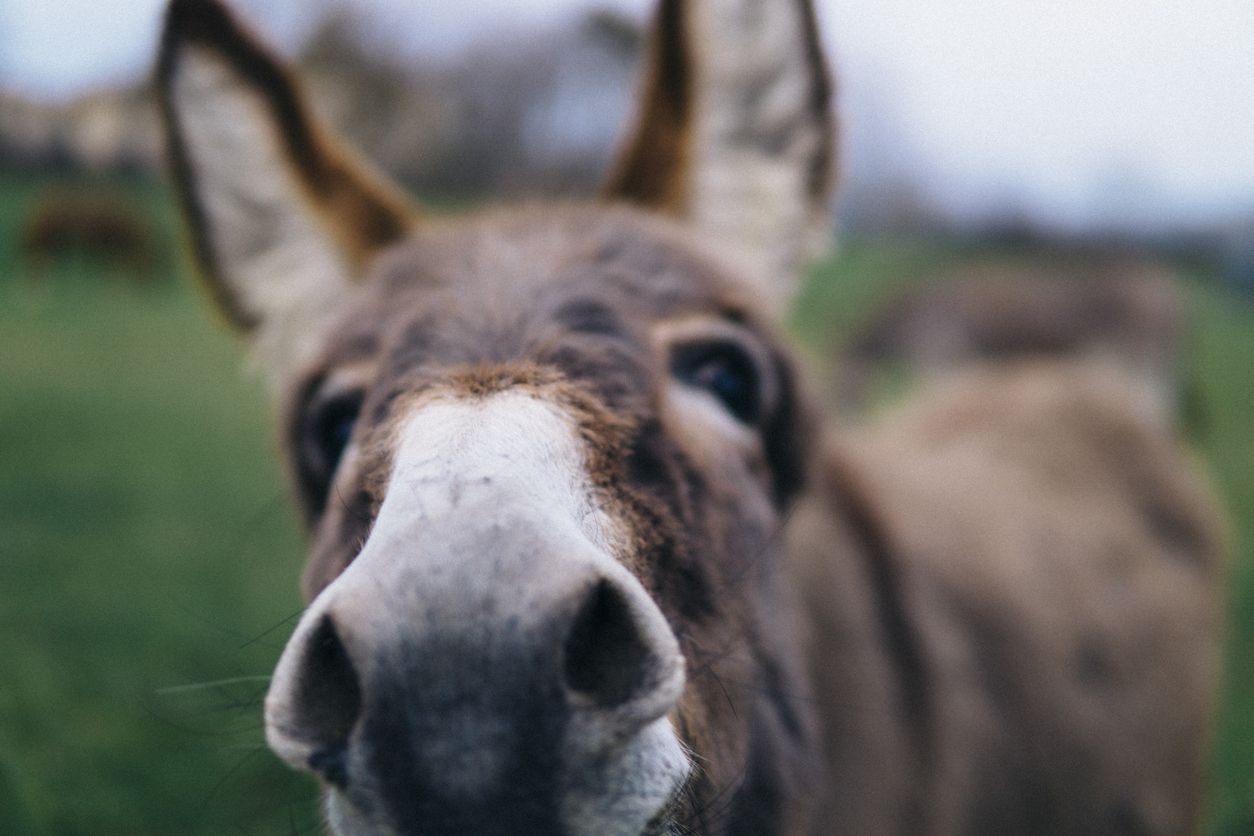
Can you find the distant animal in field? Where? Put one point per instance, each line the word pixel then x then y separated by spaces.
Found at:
pixel 584 558
pixel 1128 312
pixel 106 234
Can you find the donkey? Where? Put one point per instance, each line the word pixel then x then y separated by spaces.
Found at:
pixel 105 229
pixel 584 559
pixel 1106 308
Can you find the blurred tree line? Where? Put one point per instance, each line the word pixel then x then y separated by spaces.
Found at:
pixel 523 113
pixel 513 114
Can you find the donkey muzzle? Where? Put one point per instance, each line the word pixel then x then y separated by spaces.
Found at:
pixel 481 671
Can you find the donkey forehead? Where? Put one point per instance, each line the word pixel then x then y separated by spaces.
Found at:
pixel 498 286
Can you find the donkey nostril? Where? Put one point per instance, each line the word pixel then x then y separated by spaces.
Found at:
pixel 331 764
pixel 327 700
pixel 606 659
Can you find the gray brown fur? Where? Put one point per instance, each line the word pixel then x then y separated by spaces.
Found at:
pixel 996 612
pixel 1057 567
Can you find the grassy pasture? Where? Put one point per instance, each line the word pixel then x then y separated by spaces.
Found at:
pixel 148 554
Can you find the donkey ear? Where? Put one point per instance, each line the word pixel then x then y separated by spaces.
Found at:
pixel 735 133
pixel 282 216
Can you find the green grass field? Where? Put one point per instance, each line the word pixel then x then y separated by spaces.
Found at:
pixel 149 556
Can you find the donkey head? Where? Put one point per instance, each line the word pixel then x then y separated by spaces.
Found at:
pixel 542 454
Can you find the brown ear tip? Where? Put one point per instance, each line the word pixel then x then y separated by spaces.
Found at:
pixel 200 21
pixel 197 19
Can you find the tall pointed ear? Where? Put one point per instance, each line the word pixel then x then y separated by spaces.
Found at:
pixel 283 218
pixel 735 133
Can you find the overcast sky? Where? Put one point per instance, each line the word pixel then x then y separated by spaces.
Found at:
pixel 1081 111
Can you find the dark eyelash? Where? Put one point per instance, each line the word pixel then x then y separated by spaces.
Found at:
pixel 726 371
pixel 326 430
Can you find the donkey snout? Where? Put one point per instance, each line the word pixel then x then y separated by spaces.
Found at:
pixel 434 694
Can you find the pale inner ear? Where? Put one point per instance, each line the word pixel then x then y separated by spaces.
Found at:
pixel 271 247
pixel 735 135
pixel 759 140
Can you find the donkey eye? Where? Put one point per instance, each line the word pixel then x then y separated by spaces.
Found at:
pixel 724 370
pixel 331 427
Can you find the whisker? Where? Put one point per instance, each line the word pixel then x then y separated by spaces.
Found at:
pixel 184 728
pixel 756 559
pixel 213 621
pixel 720 804
pixel 354 513
pixel 236 705
pixel 269 630
pixel 768 690
pixel 217 683
pixel 240 764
